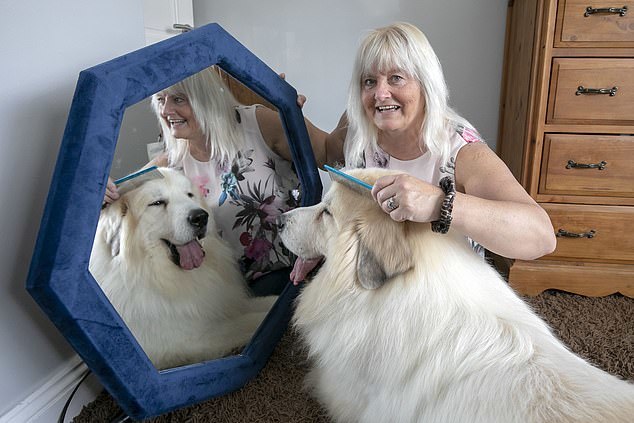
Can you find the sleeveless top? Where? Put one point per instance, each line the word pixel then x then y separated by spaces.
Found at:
pixel 246 195
pixel 428 167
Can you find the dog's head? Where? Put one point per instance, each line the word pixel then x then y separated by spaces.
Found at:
pixel 349 225
pixel 163 215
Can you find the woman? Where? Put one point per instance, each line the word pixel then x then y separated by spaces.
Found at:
pixel 398 117
pixel 238 157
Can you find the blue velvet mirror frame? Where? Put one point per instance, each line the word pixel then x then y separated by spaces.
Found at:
pixel 59 279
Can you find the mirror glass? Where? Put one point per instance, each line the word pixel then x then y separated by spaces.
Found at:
pixel 60 280
pixel 190 300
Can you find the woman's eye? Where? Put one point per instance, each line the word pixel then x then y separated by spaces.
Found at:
pixel 397 79
pixel 369 82
pixel 158 203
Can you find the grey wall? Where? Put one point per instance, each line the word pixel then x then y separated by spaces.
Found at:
pixel 314 43
pixel 44 47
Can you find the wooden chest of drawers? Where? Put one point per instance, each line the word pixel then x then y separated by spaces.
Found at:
pixel 567 134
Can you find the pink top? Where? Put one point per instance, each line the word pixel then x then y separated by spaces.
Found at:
pixel 427 167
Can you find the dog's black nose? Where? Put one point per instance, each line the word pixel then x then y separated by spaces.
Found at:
pixel 198 218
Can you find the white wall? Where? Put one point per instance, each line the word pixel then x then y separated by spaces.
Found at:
pixel 44 47
pixel 314 43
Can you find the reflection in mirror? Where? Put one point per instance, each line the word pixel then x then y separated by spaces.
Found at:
pixel 139 133
pixel 190 258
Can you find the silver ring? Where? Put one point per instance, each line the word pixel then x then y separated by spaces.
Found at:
pixel 392 204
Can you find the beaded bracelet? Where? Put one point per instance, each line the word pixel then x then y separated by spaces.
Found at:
pixel 449 188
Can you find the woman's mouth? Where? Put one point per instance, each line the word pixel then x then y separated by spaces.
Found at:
pixel 176 122
pixel 383 109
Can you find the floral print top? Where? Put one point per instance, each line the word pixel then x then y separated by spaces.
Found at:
pixel 428 167
pixel 246 195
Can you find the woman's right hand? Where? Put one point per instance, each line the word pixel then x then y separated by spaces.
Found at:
pixel 112 193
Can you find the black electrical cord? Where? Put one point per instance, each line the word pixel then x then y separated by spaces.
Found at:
pixel 119 418
pixel 62 415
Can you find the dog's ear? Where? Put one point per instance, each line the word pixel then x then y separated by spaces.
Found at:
pixel 382 254
pixel 111 221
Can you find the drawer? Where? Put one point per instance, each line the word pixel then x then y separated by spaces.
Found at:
pixel 572 165
pixel 576 27
pixel 612 239
pixel 568 104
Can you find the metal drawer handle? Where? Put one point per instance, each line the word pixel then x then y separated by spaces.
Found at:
pixel 591 11
pixel 572 164
pixel 566 234
pixel 582 90
pixel 183 27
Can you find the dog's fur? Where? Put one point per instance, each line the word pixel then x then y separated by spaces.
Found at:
pixel 406 325
pixel 178 316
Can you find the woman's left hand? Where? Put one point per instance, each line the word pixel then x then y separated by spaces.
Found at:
pixel 405 197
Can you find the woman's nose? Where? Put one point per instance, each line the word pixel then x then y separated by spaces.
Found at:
pixel 167 108
pixel 382 90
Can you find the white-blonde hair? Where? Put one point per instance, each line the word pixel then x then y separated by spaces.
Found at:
pixel 214 109
pixel 400 46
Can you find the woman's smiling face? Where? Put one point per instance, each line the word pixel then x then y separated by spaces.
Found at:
pixel 393 101
pixel 177 112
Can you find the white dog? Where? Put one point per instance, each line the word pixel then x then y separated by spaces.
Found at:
pixel 183 304
pixel 406 325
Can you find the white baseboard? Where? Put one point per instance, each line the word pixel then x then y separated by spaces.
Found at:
pixel 47 401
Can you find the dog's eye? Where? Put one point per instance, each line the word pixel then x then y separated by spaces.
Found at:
pixel 158 203
pixel 190 195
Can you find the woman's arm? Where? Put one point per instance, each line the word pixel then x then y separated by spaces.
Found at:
pixel 335 141
pixel 493 209
pixel 273 133
pixel 490 206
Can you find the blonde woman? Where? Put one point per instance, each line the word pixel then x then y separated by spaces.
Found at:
pixel 238 157
pixel 398 117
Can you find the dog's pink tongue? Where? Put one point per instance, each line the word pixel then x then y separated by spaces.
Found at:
pixel 191 255
pixel 302 267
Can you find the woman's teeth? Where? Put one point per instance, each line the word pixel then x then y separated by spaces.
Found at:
pixel 386 108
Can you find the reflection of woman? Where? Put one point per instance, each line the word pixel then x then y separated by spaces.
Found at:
pixel 239 159
pixel 399 118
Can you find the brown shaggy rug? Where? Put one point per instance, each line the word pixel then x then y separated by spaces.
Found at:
pixel 599 329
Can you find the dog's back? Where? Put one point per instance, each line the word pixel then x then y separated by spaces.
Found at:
pixel 444 340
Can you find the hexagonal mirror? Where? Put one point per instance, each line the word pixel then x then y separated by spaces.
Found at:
pixel 103 138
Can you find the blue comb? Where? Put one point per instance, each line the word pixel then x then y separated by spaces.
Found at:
pixel 344 178
pixel 133 180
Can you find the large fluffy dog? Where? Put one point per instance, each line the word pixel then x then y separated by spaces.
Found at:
pixel 182 303
pixel 406 325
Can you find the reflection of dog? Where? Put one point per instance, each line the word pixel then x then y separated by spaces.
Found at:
pixel 406 325
pixel 182 305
